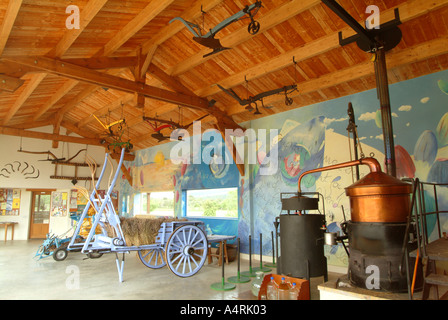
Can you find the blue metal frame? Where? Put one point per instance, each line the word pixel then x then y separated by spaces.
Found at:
pixel 102 243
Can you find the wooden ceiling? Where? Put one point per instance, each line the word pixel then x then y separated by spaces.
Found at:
pixel 127 54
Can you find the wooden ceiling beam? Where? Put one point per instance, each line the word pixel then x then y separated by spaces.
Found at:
pixel 32 84
pixel 89 12
pixel 56 130
pixel 143 62
pixel 103 62
pixel 8 21
pixel 175 84
pixel 143 18
pixel 108 81
pixel 47 136
pixel 90 89
pixel 395 59
pixel 146 62
pixel 10 84
pixel 32 124
pixel 408 11
pixel 171 29
pixel 171 82
pixel 73 102
pixel 14 70
pixel 110 107
pixel 85 133
pixel 61 92
pixel 268 21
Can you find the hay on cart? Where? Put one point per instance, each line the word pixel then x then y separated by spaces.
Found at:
pixel 142 230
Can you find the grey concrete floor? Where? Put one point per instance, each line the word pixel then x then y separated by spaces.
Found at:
pixel 24 278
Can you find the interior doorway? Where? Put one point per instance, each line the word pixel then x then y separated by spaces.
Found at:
pixel 40 214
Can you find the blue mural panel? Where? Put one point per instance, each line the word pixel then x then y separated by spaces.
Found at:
pixel 316 136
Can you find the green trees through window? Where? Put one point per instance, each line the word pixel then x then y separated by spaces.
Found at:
pixel 213 203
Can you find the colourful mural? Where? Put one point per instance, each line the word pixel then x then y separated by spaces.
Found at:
pixel 312 137
pixel 308 140
pixel 153 171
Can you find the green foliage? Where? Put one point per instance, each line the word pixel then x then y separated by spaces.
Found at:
pixel 209 206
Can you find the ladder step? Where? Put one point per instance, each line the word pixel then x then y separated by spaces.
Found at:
pixel 437 279
pixel 438 250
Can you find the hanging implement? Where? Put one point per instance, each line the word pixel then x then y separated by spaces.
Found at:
pixel 208 39
pixel 251 102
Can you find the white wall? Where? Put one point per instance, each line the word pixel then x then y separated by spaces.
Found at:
pixel 9 146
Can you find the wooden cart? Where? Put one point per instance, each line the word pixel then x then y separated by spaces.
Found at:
pixel 182 245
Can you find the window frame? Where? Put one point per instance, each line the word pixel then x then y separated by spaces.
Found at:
pixel 148 207
pixel 185 204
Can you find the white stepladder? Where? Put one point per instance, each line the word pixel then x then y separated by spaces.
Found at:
pixel 182 245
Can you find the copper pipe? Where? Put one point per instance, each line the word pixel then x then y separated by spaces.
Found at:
pixel 371 162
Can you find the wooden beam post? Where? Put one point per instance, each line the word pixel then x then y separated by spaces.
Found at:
pixel 47 136
pixel 27 91
pixel 83 74
pixel 231 146
pixel 8 21
pixel 10 84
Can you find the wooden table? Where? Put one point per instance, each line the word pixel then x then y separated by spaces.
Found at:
pixel 6 225
pixel 222 240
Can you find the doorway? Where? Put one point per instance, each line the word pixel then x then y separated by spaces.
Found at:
pixel 40 214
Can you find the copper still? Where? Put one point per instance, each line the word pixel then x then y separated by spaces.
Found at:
pixel 377 197
pixel 380 205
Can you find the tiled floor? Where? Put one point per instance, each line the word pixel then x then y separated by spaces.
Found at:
pixel 22 277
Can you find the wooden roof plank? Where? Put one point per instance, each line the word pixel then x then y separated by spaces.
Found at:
pixel 108 81
pixel 24 95
pixel 89 12
pixel 10 84
pixel 47 136
pixel 408 11
pixel 145 16
pixel 61 92
pixel 8 22
pixel 394 59
pixel 270 20
pixel 170 30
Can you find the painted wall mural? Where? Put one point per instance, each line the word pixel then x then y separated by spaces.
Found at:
pixel 312 137
pixel 154 170
pixel 308 140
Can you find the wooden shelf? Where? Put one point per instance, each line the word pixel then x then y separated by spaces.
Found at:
pixel 69 178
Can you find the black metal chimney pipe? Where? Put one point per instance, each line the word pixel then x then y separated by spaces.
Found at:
pixel 378 47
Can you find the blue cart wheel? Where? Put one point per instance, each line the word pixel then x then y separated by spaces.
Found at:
pixel 60 254
pixel 186 250
pixel 152 258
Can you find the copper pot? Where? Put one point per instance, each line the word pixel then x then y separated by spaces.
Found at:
pixel 377 197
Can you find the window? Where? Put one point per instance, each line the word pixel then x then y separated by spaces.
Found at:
pixel 216 203
pixel 125 204
pixel 160 203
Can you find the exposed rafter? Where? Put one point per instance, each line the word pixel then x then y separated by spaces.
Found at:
pixel 47 136
pixel 8 21
pixel 168 68
pixel 101 79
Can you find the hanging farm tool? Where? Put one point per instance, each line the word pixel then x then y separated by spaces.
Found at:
pixel 208 39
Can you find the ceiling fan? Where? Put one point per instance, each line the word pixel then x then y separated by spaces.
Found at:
pixel 208 39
